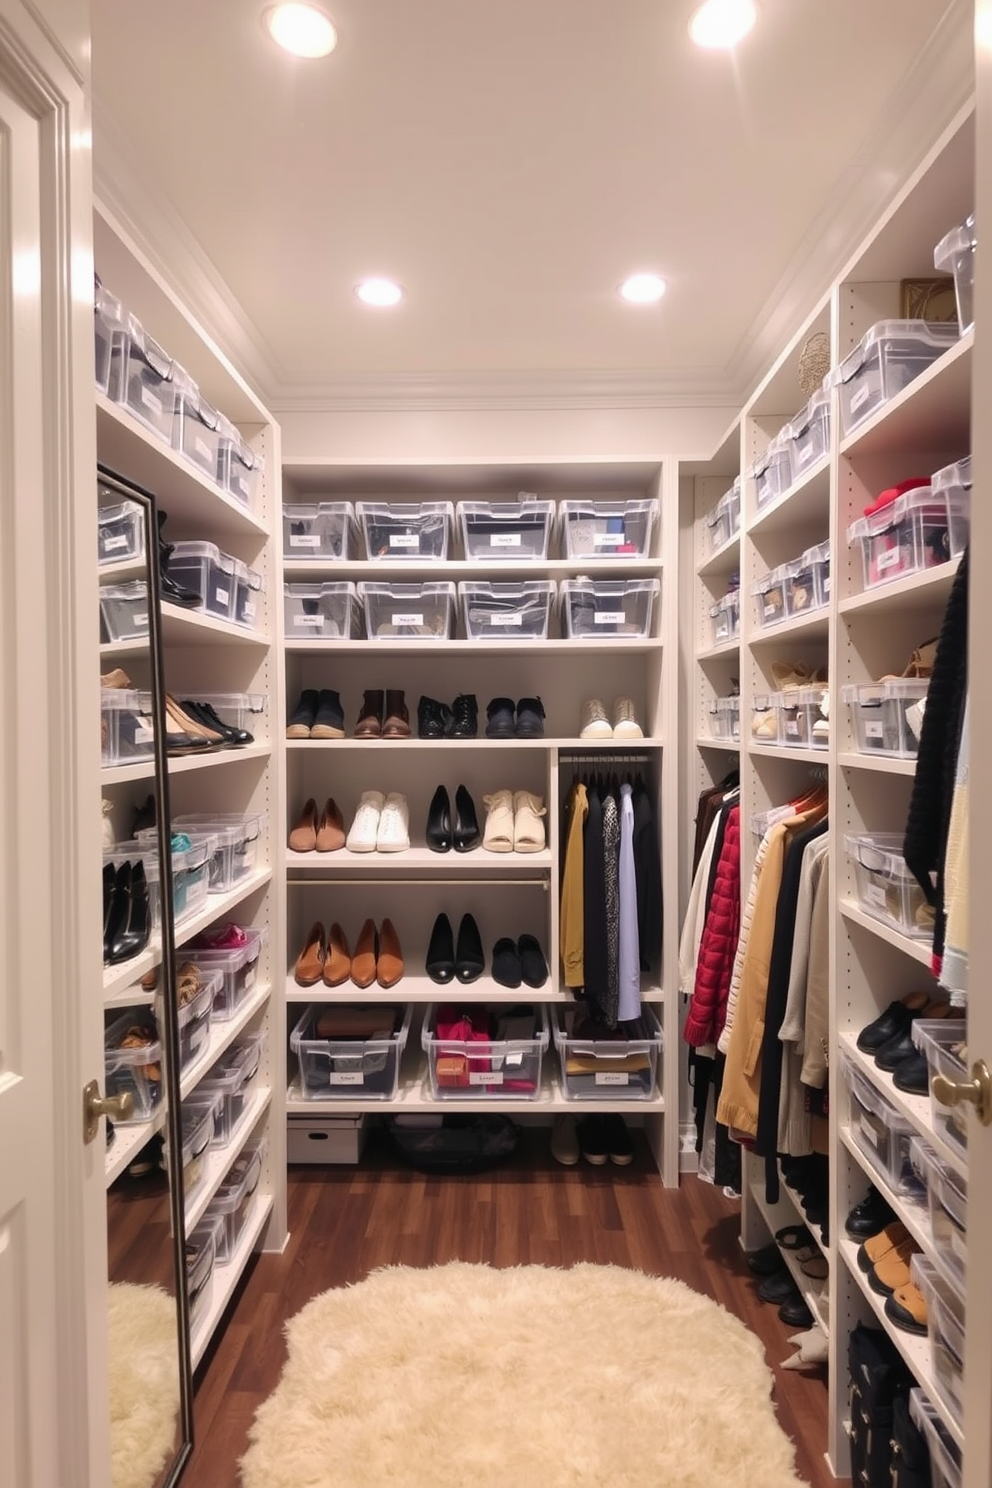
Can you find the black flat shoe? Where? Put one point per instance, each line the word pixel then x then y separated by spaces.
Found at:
pixel 896 1019
pixel 467 834
pixel 870 1216
pixel 439 821
pixel 913 1074
pixel 470 962
pixel 203 713
pixel 533 967
pixel 892 1053
pixel 765 1262
pixel 506 963
pixel 441 951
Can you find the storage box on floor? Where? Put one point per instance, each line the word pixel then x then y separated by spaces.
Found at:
pixel 597 1063
pixel 348 1051
pixel 479 1052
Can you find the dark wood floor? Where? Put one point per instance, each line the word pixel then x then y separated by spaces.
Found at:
pixel 344 1222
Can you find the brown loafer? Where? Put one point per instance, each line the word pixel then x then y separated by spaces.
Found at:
pixel 389 967
pixel 397 717
pixel 337 962
pixel 369 725
pixel 303 833
pixel 363 961
pixel 310 961
pixel 330 829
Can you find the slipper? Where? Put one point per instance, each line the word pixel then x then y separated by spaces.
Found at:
pixel 794 1237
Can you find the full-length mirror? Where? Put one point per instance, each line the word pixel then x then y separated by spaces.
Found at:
pixel 147 1146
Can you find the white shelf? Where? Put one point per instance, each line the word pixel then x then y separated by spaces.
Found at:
pixel 123 571
pixel 515 570
pixel 796 1202
pixel 724 560
pixel 919 950
pixel 802 505
pixel 732 746
pixel 776 1217
pixel 417 862
pixel 916 1217
pixel 784 752
pixel 225 1278
pixel 219 1159
pixel 915 1108
pixel 930 588
pixel 586 746
pixel 812 626
pixel 222 1035
pixel 132 996
pixel 128 1142
pixel 931 413
pixel 125 648
pixel 418 987
pixel 725 648
pixel 414 1095
pixel 192 628
pixel 879 762
pixel 443 648
pixel 145 769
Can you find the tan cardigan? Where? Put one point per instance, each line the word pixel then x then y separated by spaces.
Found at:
pixel 571 937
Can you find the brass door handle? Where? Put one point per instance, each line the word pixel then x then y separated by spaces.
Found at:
pixel 117 1107
pixel 975 1092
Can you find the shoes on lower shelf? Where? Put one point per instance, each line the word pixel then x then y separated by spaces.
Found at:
pixel 565 1141
pixel 326 957
pixel 870 1215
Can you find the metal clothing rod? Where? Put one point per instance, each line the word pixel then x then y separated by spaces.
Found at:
pixel 377 882
pixel 606 759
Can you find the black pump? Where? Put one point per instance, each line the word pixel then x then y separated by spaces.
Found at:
pixel 441 951
pixel 467 834
pixel 469 959
pixel 439 822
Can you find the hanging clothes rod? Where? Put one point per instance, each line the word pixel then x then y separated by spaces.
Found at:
pixel 606 759
pixel 323 881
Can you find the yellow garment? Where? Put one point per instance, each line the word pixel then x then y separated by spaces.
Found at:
pixel 571 938
pixel 589 1064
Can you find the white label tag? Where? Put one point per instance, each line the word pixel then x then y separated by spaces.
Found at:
pixel 485 1077
pixel 505 540
pixel 826 584
pixel 143 734
pixel 888 559
pixel 150 400
pixel 407 619
pixel 141 620
pixel 249 609
pixel 610 617
pixel 875 895
pixel 609 539
pixel 860 397
pixel 612 1077
pixel 304 540
pixel 805 453
pixel 792 728
pixel 404 540
pixel 250 976
pixel 222 596
pixel 203 450
pixel 505 620
pixel 874 731
pixel 769 610
pixel 111 544
pixel 347 1077
pixel 867 1130
pixel 314 620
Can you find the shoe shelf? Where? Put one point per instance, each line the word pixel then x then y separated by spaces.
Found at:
pixel 914 1216
pixel 811 627
pixel 932 412
pixel 914 1347
pixel 225 1278
pixel 459 568
pixel 128 1142
pixel 918 950
pixel 725 648
pixel 124 648
pixel 725 560
pixel 731 746
pixel 416 986
pixel 444 649
pixel 222 1036
pixel 783 752
pixel 122 572
pixel 931 588
pixel 797 1204
pixel 145 769
pixel 219 1159
pixel 189 628
pixel 586 746
pixel 419 862
pixel 133 996
pixel 776 1217
pixel 800 506
pixel 852 761
pixel 915 1108
pixel 195 505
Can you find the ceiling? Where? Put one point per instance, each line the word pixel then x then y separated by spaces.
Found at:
pixel 509 164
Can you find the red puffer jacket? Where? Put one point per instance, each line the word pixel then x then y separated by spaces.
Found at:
pixel 715 963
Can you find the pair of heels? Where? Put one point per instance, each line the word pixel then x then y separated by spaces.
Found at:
pixel 127 915
pixel 441 836
pixel 449 960
pixel 327 958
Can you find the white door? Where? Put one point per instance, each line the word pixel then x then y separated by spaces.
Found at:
pixel 53 1408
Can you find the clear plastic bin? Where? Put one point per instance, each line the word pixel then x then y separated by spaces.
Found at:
pixel 945 1324
pixel 124 611
pixel 724 521
pixel 907 536
pixel 360 1066
pixel 234 844
pixel 201 1257
pixel 880 1132
pixel 196 429
pixel 771 591
pixel 324 529
pixel 953 483
pixel 239 467
pixel 800 710
pixel 608 529
pixel 766 718
pixel 197 1116
pixel 412 612
pixel 202 567
pixel 808 586
pixel 809 433
pixel 133 1071
pixel 517 531
pixel 725 618
pixel 143 378
pixel 517 611
pixel 108 321
pixel 189 874
pixel 955 254
pixel 194 1019
pixel 879 719
pixel 409 529
pixel 120 530
pixel 237 967
pixel 942 1041
pixel 320 612
pixel 891 355
pixel 235 1199
pixel 503 1064
pixel 947 1200
pixel 725 718
pixel 127 732
pixel 886 889
pixel 239 710
pixel 247 587
pixel 608 607
pixel 602 1068
pixel 230 1082
pixel 772 474
pixel 945 1456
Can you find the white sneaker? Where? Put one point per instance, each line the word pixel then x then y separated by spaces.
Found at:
pixel 595 724
pixel 625 725
pixel 393 834
pixel 365 828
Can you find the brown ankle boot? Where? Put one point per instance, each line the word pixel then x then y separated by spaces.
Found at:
pixel 397 724
pixel 389 967
pixel 369 725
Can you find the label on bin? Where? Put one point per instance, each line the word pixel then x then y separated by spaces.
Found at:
pixel 304 540
pixel 347 1077
pixel 875 895
pixel 485 1077
pixel 143 734
pixel 505 540
pixel 609 539
pixel 407 619
pixel 308 620
pixel 792 727
pixel 250 975
pixel 867 1130
pixel 203 450
pixel 503 620
pixel 874 730
pixel 826 584
pixel 861 397
pixel 111 544
pixel 404 540
pixel 805 453
pixel 222 596
pixel 610 617
pixel 769 610
pixel 150 400
pixel 141 619
pixel 888 559
pixel 612 1077
pixel 249 609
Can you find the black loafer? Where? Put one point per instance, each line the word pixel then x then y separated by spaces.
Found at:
pixel 892 1053
pixel 530 718
pixel 913 1074
pixel 499 715
pixel 533 967
pixel 765 1262
pixel 896 1019
pixel 778 1288
pixel 506 963
pixel 796 1313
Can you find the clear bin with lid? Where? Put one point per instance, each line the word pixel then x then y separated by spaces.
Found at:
pixel 608 529
pixel 883 715
pixel 725 718
pixel 322 529
pixel 247 588
pixel 943 1041
pixel 598 608
pixel 120 530
pixel 234 843
pixel 595 1065
pixel 127 731
pixel 945 1455
pixel 321 612
pixel 201 1256
pixel 344 1053
pixel 196 428
pixel 725 618
pixel 772 473
pixel 496 1055
pixel 132 1055
pixel 203 568
pixel 724 521
pixel 239 467
pixel 808 584
pixel 766 718
pixel 947 1199
pixel 517 611
pixel 408 612
pixel 237 967
pixel 809 433
pixel 197 1117
pixel 886 889
pixel 108 322
pixel 124 611
pixel 239 710
pixel 953 483
pixel 945 1324
pixel 907 536
pixel 194 1019
pixel 235 1199
pixel 802 721
pixel 398 531
pixel 880 1131
pixel 510 531
pixel 955 254
pixel 771 593
pixel 143 378
pixel 891 355
pixel 232 1080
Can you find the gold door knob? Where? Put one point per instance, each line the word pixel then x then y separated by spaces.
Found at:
pixel 117 1107
pixel 975 1092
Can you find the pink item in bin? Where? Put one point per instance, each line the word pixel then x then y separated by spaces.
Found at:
pixel 220 938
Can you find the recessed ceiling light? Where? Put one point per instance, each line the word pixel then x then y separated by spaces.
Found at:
pixel 303 30
pixel 722 23
pixel 379 292
pixel 643 289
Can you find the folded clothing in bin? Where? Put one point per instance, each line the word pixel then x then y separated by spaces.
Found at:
pixel 509 1042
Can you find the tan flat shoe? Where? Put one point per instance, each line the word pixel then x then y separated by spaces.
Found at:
pixel 389 967
pixel 187 725
pixel 310 961
pixel 117 678
pixel 498 834
pixel 303 833
pixel 363 961
pixel 337 962
pixel 528 828
pixel 330 829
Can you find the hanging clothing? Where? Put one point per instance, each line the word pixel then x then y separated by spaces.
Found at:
pixel 647 871
pixel 747 916
pixel 695 915
pixel 629 955
pixel 708 1010
pixel 954 969
pixel 794 1134
pixel 595 950
pixel 570 930
pixel 611 869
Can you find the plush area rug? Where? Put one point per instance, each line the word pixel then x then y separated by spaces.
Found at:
pixel 595 1377
pixel 144 1382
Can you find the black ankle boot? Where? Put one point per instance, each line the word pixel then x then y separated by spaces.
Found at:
pixel 168 588
pixel 433 718
pixel 467 834
pixel 439 822
pixel 464 717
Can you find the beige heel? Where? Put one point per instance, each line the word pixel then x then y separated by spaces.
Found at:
pixel 498 835
pixel 528 828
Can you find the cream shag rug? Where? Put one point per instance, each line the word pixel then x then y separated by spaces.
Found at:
pixel 463 1375
pixel 144 1382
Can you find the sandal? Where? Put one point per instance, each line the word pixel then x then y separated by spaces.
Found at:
pixel 187 982
pixel 498 835
pixel 528 828
pixel 794 1237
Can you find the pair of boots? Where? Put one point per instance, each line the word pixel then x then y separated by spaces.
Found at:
pixel 127 915
pixel 384 715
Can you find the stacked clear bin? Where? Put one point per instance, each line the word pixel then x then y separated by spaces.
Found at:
pixel 724 521
pixel 413 612
pixel 803 723
pixel 108 322
pixel 725 718
pixel 203 568
pixel 910 534
pixel 880 1132
pixel 947 1201
pixel 134 1071
pixel 235 1199
pixel 881 715
pixel 725 618
pixel 886 889
pixel 189 873
pixel 127 733
pixel 607 529
pixel 231 841
pixel 194 1019
pixel 501 1068
pixel 891 355
pixel 946 1325
pixel 942 1040
pixel 124 611
pixel 516 531
pixel 953 485
pixel 323 529
pixel 197 1120
pixel 143 378
pixel 237 967
pixel 196 428
pixel 239 467
pixel 518 611
pixel 598 608
pixel 955 254
pixel 794 588
pixel 809 433
pixel 410 530
pixel 772 474
pixel 608 1069
pixel 321 612
pixel 229 1082
pixel 945 1456
pixel 343 1068
pixel 201 1257
pixel 120 531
